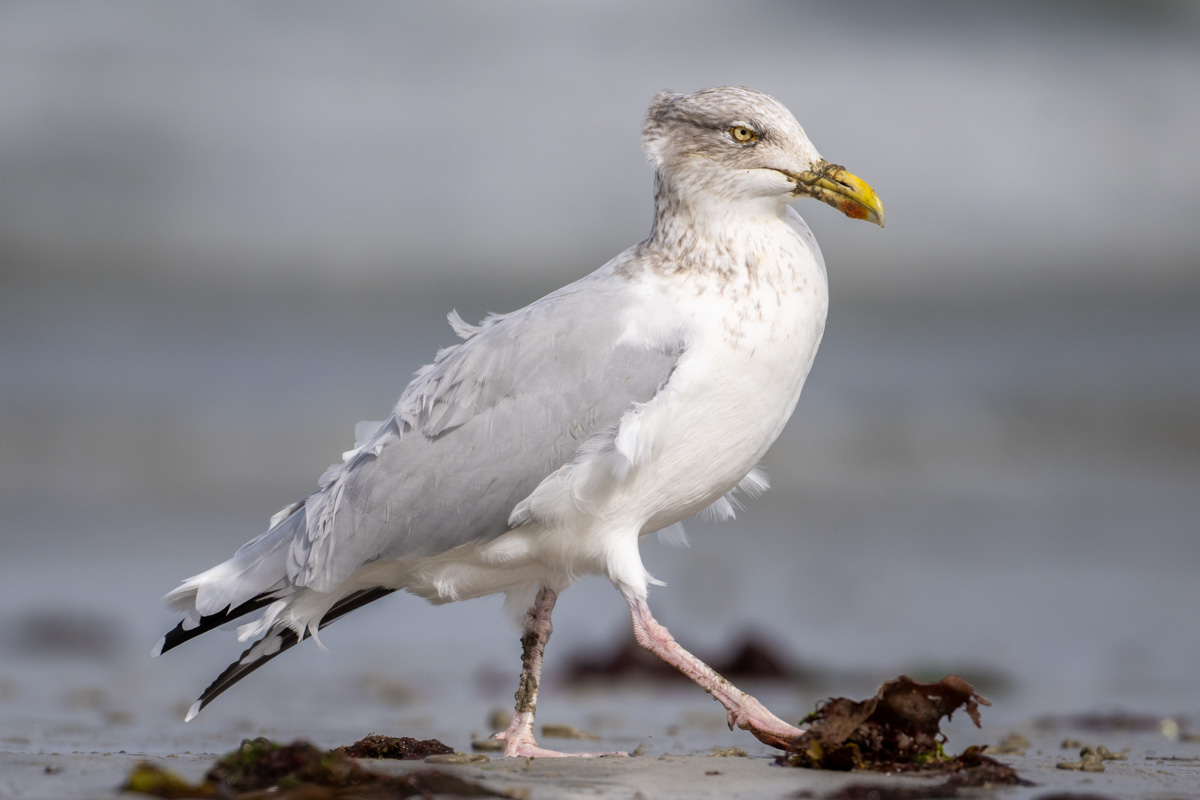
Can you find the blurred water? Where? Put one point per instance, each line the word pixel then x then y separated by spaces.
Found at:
pixel 226 235
pixel 1016 146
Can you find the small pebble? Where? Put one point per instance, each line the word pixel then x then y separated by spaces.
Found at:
pixel 458 758
pixel 499 718
pixel 1104 754
pixel 730 752
pixel 1013 744
pixel 1071 744
pixel 566 732
pixel 1169 728
pixel 487 745
pixel 1090 763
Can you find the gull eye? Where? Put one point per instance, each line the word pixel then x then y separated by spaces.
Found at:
pixel 742 134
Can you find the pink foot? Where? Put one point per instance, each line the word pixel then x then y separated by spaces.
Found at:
pixel 743 711
pixel 518 741
pixel 751 715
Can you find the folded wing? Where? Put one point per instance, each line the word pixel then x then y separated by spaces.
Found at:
pixel 472 435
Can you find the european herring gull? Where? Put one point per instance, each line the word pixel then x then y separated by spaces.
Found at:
pixel 547 443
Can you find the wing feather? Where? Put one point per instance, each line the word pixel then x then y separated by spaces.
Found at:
pixel 478 430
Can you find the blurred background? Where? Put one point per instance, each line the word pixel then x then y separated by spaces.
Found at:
pixel 229 231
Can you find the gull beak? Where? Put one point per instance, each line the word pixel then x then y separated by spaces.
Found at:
pixel 843 190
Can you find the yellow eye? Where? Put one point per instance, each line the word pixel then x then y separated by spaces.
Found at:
pixel 741 133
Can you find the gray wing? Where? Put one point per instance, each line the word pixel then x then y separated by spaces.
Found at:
pixel 475 433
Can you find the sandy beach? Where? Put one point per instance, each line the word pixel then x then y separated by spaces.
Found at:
pixel 676 761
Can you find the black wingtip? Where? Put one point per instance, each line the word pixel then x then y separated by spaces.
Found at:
pixel 239 669
pixel 286 639
pixel 178 635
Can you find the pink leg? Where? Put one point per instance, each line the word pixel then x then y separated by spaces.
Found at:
pixel 518 738
pixel 745 712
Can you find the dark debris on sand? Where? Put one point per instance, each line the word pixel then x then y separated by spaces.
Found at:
pixel 752 658
pixel 898 730
pixel 984 772
pixel 403 748
pixel 260 768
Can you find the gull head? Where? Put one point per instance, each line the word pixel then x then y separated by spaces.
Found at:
pixel 736 146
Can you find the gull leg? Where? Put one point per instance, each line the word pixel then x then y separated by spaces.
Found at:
pixel 518 737
pixel 744 711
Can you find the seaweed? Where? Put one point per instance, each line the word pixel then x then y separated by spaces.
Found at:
pixel 260 768
pixel 403 748
pixel 897 730
pixel 147 778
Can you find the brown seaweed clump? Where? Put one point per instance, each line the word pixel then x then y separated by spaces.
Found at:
pixel 897 730
pixel 260 764
pixel 402 748
pixel 260 768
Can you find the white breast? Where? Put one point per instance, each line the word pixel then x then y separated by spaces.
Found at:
pixel 748 343
pixel 750 346
pixel 749 340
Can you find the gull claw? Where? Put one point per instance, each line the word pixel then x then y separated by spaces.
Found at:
pixel 769 729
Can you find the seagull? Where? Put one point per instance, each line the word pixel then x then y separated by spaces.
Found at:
pixel 547 443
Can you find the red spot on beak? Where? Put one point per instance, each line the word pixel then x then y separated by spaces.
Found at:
pixel 852 210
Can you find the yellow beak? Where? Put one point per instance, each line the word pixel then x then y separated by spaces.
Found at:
pixel 843 190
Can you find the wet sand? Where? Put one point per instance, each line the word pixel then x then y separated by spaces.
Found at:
pixel 1155 767
pixel 76 731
